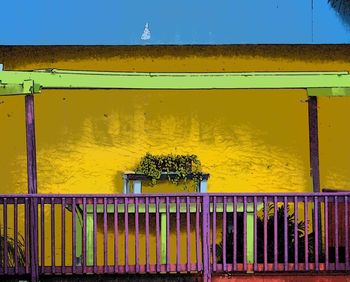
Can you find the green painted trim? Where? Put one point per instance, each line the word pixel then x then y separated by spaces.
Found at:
pixel 250 237
pixel 163 237
pixel 163 231
pixel 89 239
pixel 327 92
pixel 55 79
pixel 13 89
pixel 162 208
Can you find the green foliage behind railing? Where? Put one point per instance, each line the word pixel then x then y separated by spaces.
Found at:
pixel 270 238
pixel 12 246
pixel 179 167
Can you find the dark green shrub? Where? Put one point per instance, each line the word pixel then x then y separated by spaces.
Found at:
pixel 270 238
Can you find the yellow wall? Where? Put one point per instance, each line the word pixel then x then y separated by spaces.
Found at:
pixel 248 140
pixel 251 141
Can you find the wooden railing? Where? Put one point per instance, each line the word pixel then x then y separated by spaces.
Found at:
pixel 173 233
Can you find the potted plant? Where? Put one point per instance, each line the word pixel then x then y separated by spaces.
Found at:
pixel 177 168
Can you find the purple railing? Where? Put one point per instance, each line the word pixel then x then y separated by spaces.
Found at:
pixel 174 233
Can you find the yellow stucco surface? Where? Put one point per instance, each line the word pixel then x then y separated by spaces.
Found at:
pixel 252 141
pixel 248 140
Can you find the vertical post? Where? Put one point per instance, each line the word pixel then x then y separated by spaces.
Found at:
pixel 32 182
pixel 203 186
pixel 313 141
pixel 125 184
pixel 314 164
pixel 205 238
pixel 31 148
pixel 137 187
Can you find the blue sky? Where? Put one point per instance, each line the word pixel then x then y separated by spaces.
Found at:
pixel 121 22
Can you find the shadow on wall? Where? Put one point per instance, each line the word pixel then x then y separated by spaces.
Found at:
pixel 342 7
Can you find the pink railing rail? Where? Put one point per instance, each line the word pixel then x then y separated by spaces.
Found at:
pixel 174 233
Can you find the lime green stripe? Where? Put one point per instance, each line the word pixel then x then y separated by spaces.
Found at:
pixel 163 237
pixel 250 237
pixel 89 239
pixel 163 234
pixel 110 80
pixel 172 208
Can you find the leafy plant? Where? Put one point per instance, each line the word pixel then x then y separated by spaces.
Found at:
pixel 176 167
pixel 270 236
pixel 12 246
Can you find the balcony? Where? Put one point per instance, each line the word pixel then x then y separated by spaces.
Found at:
pixel 174 234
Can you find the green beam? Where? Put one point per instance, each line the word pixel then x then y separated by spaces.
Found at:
pixel 12 82
pixel 327 92
pixel 172 208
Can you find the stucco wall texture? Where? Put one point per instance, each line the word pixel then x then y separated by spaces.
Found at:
pixel 248 140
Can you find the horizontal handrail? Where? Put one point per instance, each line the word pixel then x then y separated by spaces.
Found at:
pixel 165 233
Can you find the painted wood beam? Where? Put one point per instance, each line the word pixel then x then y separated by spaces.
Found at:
pixel 15 82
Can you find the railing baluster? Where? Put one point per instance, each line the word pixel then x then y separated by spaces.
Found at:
pixel 255 236
pixel 105 235
pixel 26 236
pixel 34 239
pixel 346 233
pixel 199 268
pixel 126 234
pixel 214 234
pixel 74 238
pixel 205 247
pixel 42 234
pixel 205 237
pixel 265 233
pixel 15 235
pixel 178 250
pixel 116 232
pixel 178 254
pixel 326 232
pixel 296 234
pixel 245 268
pixel 285 223
pixel 157 236
pixel 336 233
pixel 224 224
pixel 63 234
pixel 275 234
pixel 234 251
pixel 147 236
pixel 137 239
pixel 53 263
pixel 84 235
pixel 306 214
pixel 316 239
pixel 188 233
pixel 168 235
pixel 5 237
pixel 94 260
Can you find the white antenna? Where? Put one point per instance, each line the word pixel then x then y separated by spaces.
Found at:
pixel 146 35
